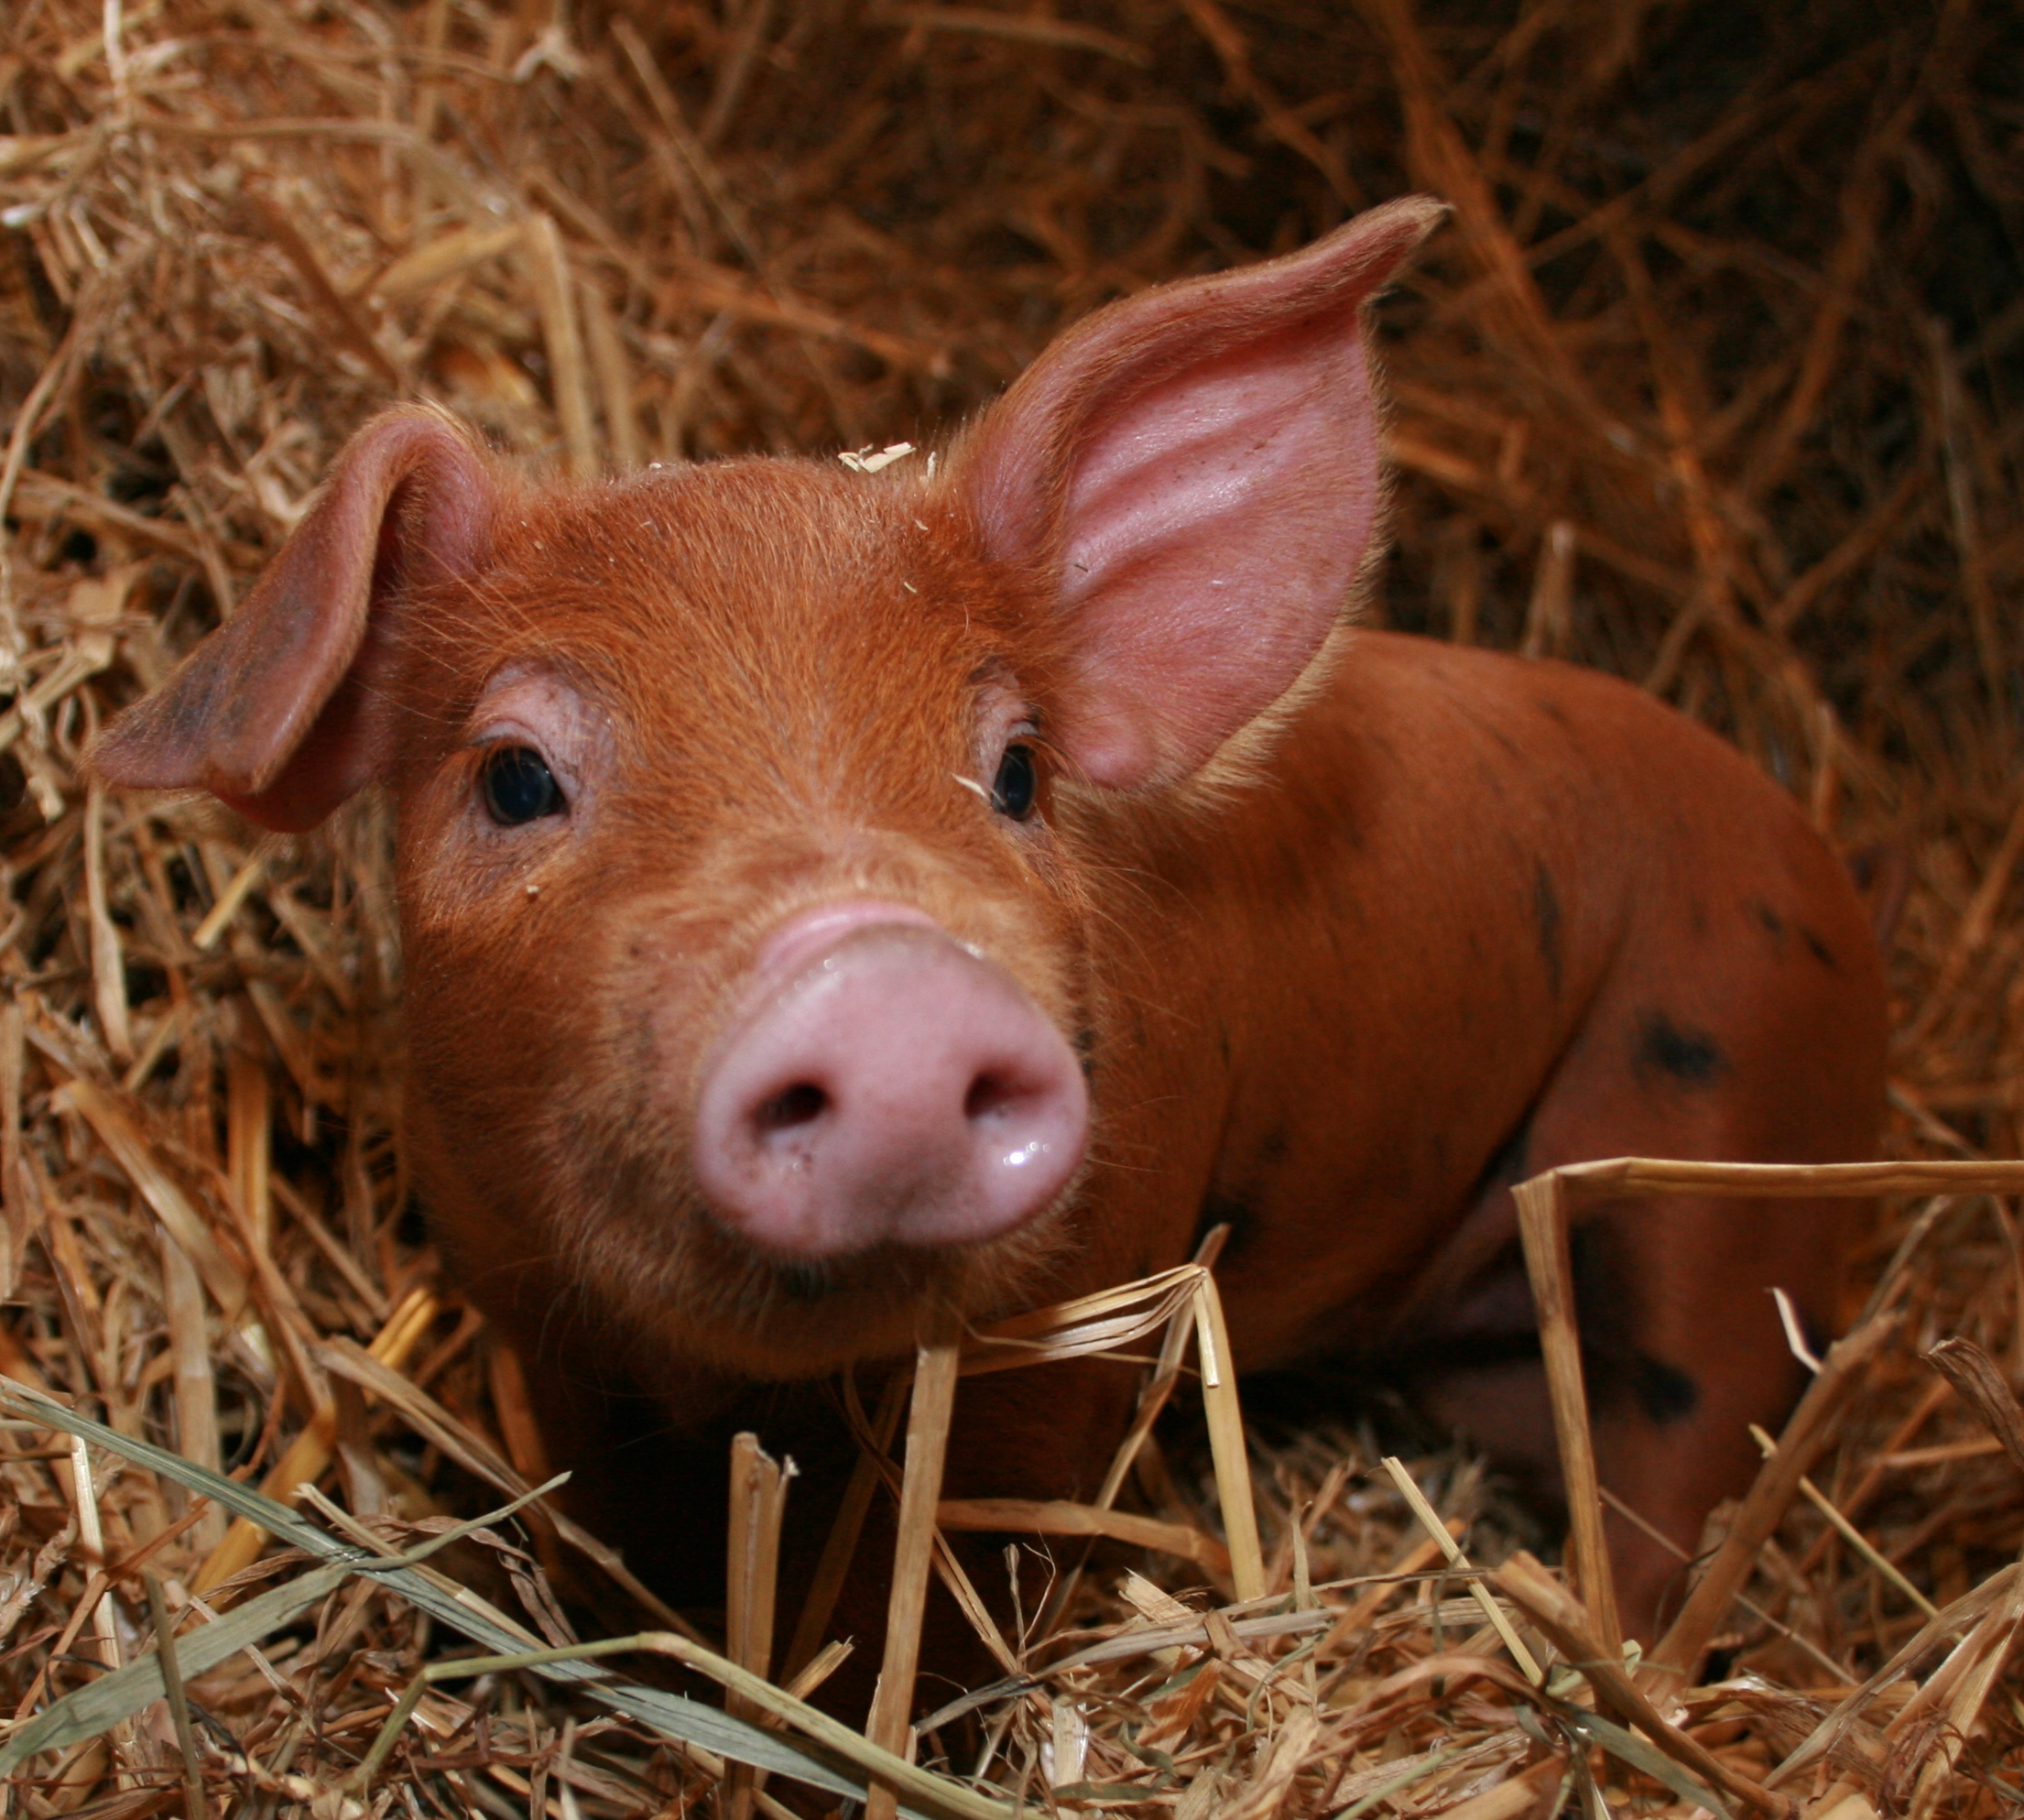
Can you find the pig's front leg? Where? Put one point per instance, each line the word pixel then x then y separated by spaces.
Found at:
pixel 1046 1432
pixel 649 1475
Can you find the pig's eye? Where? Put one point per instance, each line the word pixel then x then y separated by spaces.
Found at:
pixel 518 787
pixel 1012 788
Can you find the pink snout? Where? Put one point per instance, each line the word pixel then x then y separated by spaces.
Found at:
pixel 896 1089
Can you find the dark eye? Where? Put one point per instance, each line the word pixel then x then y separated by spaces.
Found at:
pixel 518 787
pixel 1012 790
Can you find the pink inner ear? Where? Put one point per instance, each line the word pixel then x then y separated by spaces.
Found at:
pixel 1213 526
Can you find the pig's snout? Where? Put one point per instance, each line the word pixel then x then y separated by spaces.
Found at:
pixel 895 1089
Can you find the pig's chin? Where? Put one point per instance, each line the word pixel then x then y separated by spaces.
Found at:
pixel 804 1318
pixel 726 1304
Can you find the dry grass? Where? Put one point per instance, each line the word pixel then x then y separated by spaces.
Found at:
pixel 1715 381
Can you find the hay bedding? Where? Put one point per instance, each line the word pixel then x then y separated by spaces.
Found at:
pixel 1713 382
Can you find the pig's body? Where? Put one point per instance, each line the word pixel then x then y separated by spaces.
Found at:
pixel 1622 939
pixel 1470 917
pixel 831 901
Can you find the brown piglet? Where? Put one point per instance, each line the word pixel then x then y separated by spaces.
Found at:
pixel 836 904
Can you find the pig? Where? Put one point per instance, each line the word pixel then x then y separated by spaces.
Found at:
pixel 837 905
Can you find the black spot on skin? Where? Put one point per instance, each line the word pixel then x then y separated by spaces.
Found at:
pixel 1691 1057
pixel 1546 917
pixel 1219 1209
pixel 1553 710
pixel 1767 918
pixel 1272 1150
pixel 1664 1392
pixel 1818 949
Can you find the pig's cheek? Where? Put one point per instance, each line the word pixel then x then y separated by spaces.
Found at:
pixel 641 1010
pixel 536 1127
pixel 458 863
pixel 492 1007
pixel 1050 958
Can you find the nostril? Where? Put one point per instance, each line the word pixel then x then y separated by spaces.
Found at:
pixel 802 1104
pixel 990 1091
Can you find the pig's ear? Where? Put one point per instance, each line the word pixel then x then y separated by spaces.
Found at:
pixel 279 712
pixel 1195 472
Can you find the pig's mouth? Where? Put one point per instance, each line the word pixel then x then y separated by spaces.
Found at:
pixel 676 1282
pixel 786 1318
pixel 806 1282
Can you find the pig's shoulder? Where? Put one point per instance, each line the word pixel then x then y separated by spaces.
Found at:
pixel 1419 693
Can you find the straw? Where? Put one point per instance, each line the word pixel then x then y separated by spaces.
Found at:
pixel 1711 382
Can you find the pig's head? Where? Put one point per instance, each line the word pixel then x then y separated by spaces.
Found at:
pixel 746 927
